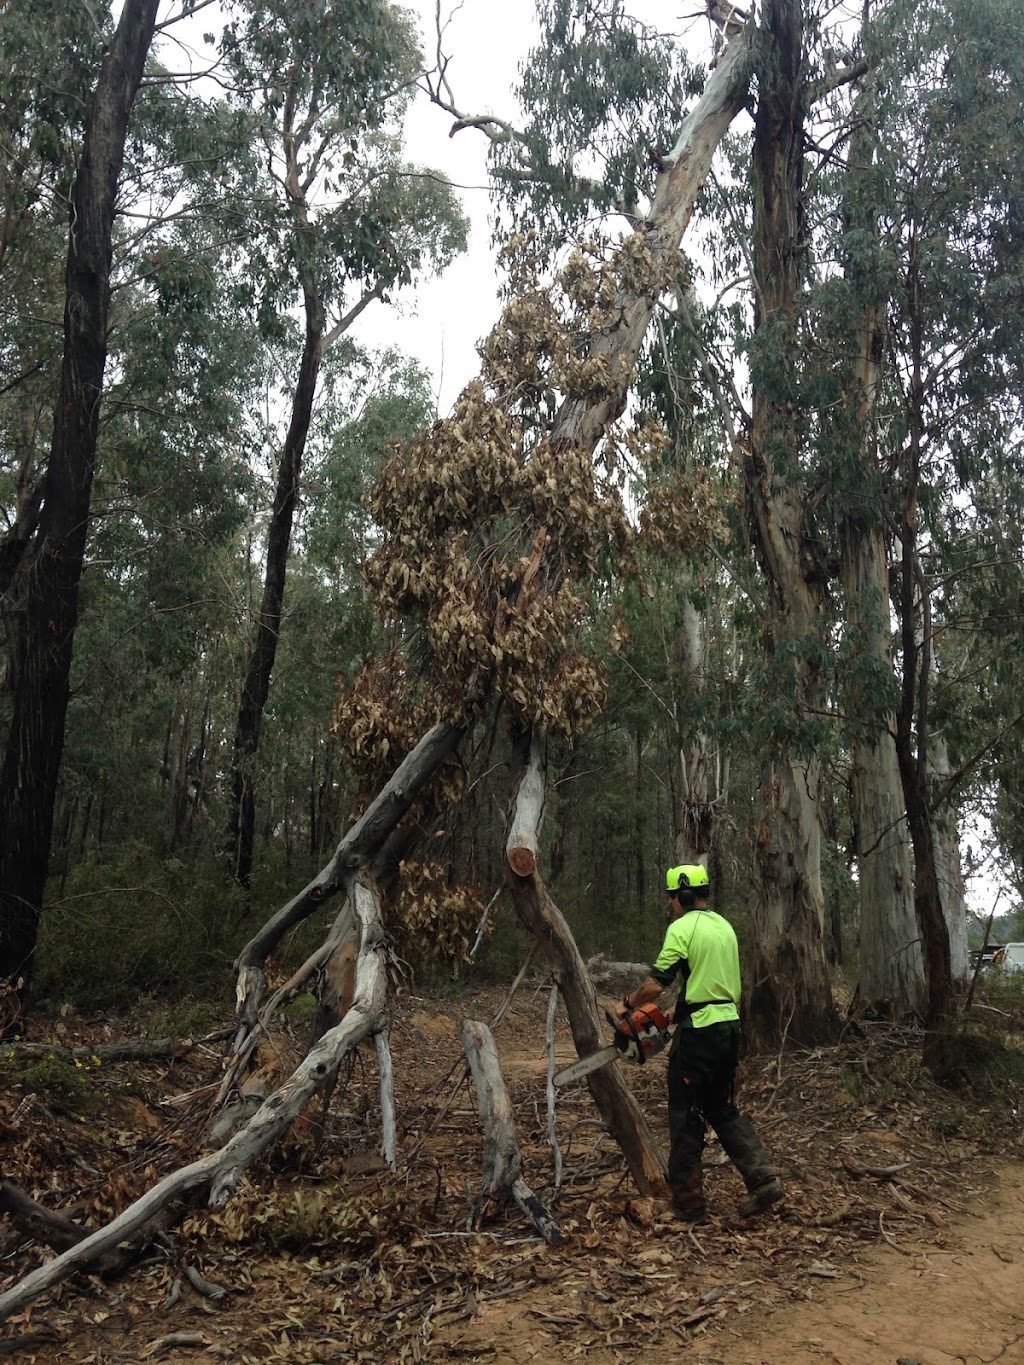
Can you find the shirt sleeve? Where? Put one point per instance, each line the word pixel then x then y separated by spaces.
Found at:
pixel 672 960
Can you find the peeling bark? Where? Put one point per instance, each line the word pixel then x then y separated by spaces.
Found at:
pixel 891 962
pixel 788 991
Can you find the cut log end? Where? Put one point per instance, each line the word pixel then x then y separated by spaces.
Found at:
pixel 522 861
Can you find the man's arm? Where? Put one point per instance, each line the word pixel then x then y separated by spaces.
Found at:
pixel 643 995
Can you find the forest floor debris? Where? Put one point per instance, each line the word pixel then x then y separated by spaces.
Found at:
pixel 325 1257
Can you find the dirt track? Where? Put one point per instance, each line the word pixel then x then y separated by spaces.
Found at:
pixel 962 1301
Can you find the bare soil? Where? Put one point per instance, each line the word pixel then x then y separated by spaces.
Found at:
pixel 901 1237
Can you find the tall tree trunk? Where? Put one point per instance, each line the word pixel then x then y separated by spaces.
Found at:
pixel 891 963
pixel 697 791
pixel 912 721
pixel 45 640
pixel 788 991
pixel 260 666
pixel 949 869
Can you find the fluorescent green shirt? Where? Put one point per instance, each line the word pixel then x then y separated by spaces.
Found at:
pixel 700 948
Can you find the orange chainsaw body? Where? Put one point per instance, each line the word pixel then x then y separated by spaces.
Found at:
pixel 642 1033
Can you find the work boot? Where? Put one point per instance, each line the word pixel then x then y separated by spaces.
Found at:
pixel 689 1213
pixel 762 1197
pixel 687 1203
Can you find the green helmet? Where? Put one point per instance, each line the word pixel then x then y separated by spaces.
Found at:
pixel 688 876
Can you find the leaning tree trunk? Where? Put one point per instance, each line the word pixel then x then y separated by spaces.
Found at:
pixel 361 844
pixel 256 684
pixel 539 914
pixel 788 988
pixel 45 639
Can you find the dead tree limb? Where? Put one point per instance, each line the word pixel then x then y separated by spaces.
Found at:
pixel 503 1162
pixel 549 1038
pixel 541 916
pixel 358 846
pixel 56 1230
pixel 220 1172
pixel 129 1050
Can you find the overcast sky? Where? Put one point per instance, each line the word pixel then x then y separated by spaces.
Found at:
pixel 485 43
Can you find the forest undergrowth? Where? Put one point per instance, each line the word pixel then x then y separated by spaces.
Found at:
pixel 325 1255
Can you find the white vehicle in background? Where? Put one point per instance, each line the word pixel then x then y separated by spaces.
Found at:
pixel 1011 958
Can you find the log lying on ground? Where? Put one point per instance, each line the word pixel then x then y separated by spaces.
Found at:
pixel 128 1050
pixel 220 1172
pixel 541 916
pixel 503 1162
pixel 616 978
pixel 56 1230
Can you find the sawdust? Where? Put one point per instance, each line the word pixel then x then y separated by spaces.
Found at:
pixel 901 1237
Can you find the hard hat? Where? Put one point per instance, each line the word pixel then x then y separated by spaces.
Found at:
pixel 687 875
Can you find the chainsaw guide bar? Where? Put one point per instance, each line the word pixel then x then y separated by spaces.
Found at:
pixel 642 1033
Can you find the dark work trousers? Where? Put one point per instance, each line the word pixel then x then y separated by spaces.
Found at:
pixel 701 1090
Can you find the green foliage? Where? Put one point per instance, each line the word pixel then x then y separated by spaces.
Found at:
pixel 601 91
pixel 66 1082
pixel 135 927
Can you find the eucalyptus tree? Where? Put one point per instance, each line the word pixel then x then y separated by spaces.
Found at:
pixel 951 218
pixel 857 469
pixel 45 635
pixel 49 60
pixel 343 221
pixel 765 450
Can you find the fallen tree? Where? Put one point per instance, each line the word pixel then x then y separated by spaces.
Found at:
pixel 218 1174
pixel 527 598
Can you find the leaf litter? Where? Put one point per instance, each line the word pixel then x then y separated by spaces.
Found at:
pixel 322 1256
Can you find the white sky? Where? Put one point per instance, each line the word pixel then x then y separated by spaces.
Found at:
pixel 485 42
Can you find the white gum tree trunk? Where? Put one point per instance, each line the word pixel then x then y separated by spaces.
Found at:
pixel 788 989
pixel 948 866
pixel 892 976
pixel 891 963
pixel 700 778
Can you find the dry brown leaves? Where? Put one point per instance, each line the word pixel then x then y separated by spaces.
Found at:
pixel 322 1259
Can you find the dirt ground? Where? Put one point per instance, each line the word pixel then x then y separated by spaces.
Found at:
pixel 901 1237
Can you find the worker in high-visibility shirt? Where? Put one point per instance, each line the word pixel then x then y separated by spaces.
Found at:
pixel 700 950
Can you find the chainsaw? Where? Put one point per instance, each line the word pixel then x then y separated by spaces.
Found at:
pixel 642 1033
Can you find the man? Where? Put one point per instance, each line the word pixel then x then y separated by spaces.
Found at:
pixel 700 949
